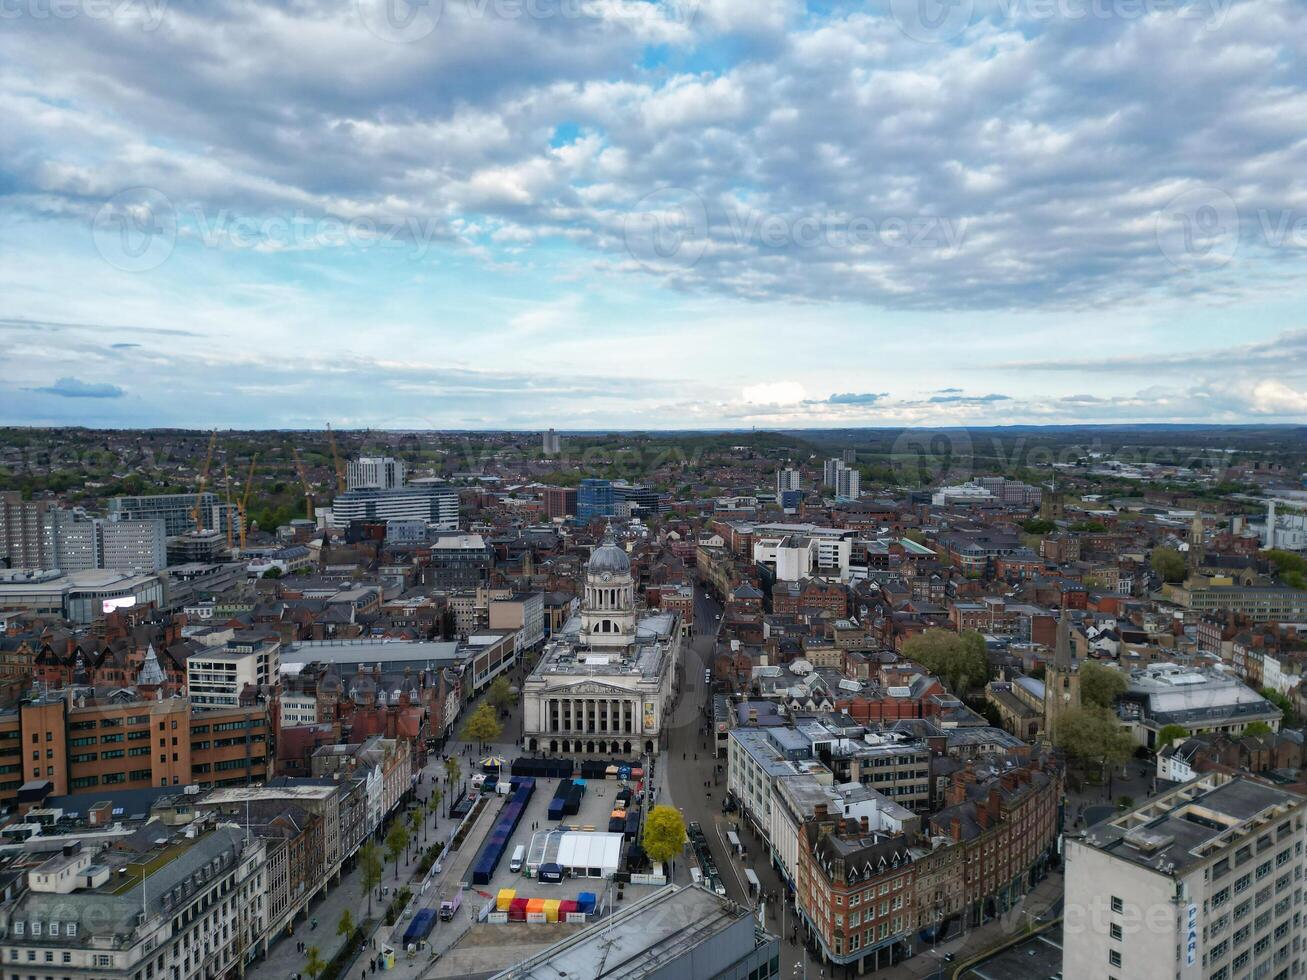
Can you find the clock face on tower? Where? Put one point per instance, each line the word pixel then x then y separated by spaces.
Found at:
pixel 607 576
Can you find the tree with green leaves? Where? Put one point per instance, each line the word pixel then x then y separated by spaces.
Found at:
pixel 453 773
pixel 1094 736
pixel 1170 733
pixel 1257 728
pixel 1289 565
pixel 313 963
pixel 664 833
pixel 414 825
pixel 1169 564
pixel 501 694
pixel 483 726
pixel 396 843
pixel 369 870
pixel 345 927
pixel 433 807
pixel 1287 714
pixel 1100 685
pixel 957 659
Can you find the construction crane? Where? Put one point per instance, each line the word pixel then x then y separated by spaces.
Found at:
pixel 226 496
pixel 308 491
pixel 245 499
pixel 204 478
pixel 335 456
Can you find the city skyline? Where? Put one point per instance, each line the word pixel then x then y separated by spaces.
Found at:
pixel 712 214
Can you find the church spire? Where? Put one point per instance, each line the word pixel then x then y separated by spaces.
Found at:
pixel 151 674
pixel 1062 659
pixel 1196 541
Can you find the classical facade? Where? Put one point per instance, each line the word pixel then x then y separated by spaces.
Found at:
pixel 604 683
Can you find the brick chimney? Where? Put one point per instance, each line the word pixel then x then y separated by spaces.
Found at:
pixel 866 825
pixel 956 829
pixel 819 812
pixel 992 804
pixel 982 817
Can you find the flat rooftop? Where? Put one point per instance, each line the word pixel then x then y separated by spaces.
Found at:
pixel 1192 823
pixel 371 651
pixel 638 940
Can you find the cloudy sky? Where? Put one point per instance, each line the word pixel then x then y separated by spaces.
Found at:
pixel 652 213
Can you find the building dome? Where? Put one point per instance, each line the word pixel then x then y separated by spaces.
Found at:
pixel 609 558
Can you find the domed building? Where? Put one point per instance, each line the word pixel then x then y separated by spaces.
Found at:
pixel 604 681
pixel 608 609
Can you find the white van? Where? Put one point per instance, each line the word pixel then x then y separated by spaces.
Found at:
pixel 519 857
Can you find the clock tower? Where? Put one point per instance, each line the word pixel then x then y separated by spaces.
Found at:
pixel 608 612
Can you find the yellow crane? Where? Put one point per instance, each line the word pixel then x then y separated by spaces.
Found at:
pixel 204 478
pixel 245 499
pixel 226 496
pixel 308 491
pixel 335 457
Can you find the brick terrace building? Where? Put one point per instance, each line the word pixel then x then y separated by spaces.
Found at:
pixel 855 889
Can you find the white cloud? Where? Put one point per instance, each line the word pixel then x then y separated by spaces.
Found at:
pixel 773 393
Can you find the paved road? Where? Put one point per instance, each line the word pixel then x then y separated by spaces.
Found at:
pixel 684 779
pixel 285 960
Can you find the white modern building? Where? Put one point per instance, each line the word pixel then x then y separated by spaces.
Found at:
pixel 604 682
pixel 432 501
pixel 787 479
pixel 798 551
pixel 1201 883
pixel 375 473
pixel 1198 700
pixel 81 597
pixel 965 493
pixel 76 542
pixel 216 677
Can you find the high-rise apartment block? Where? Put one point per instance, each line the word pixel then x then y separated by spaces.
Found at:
pixel 551 443
pixel 841 478
pixel 1203 882
pixel 787 479
pixel 41 535
pixel 21 538
pixel 375 473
